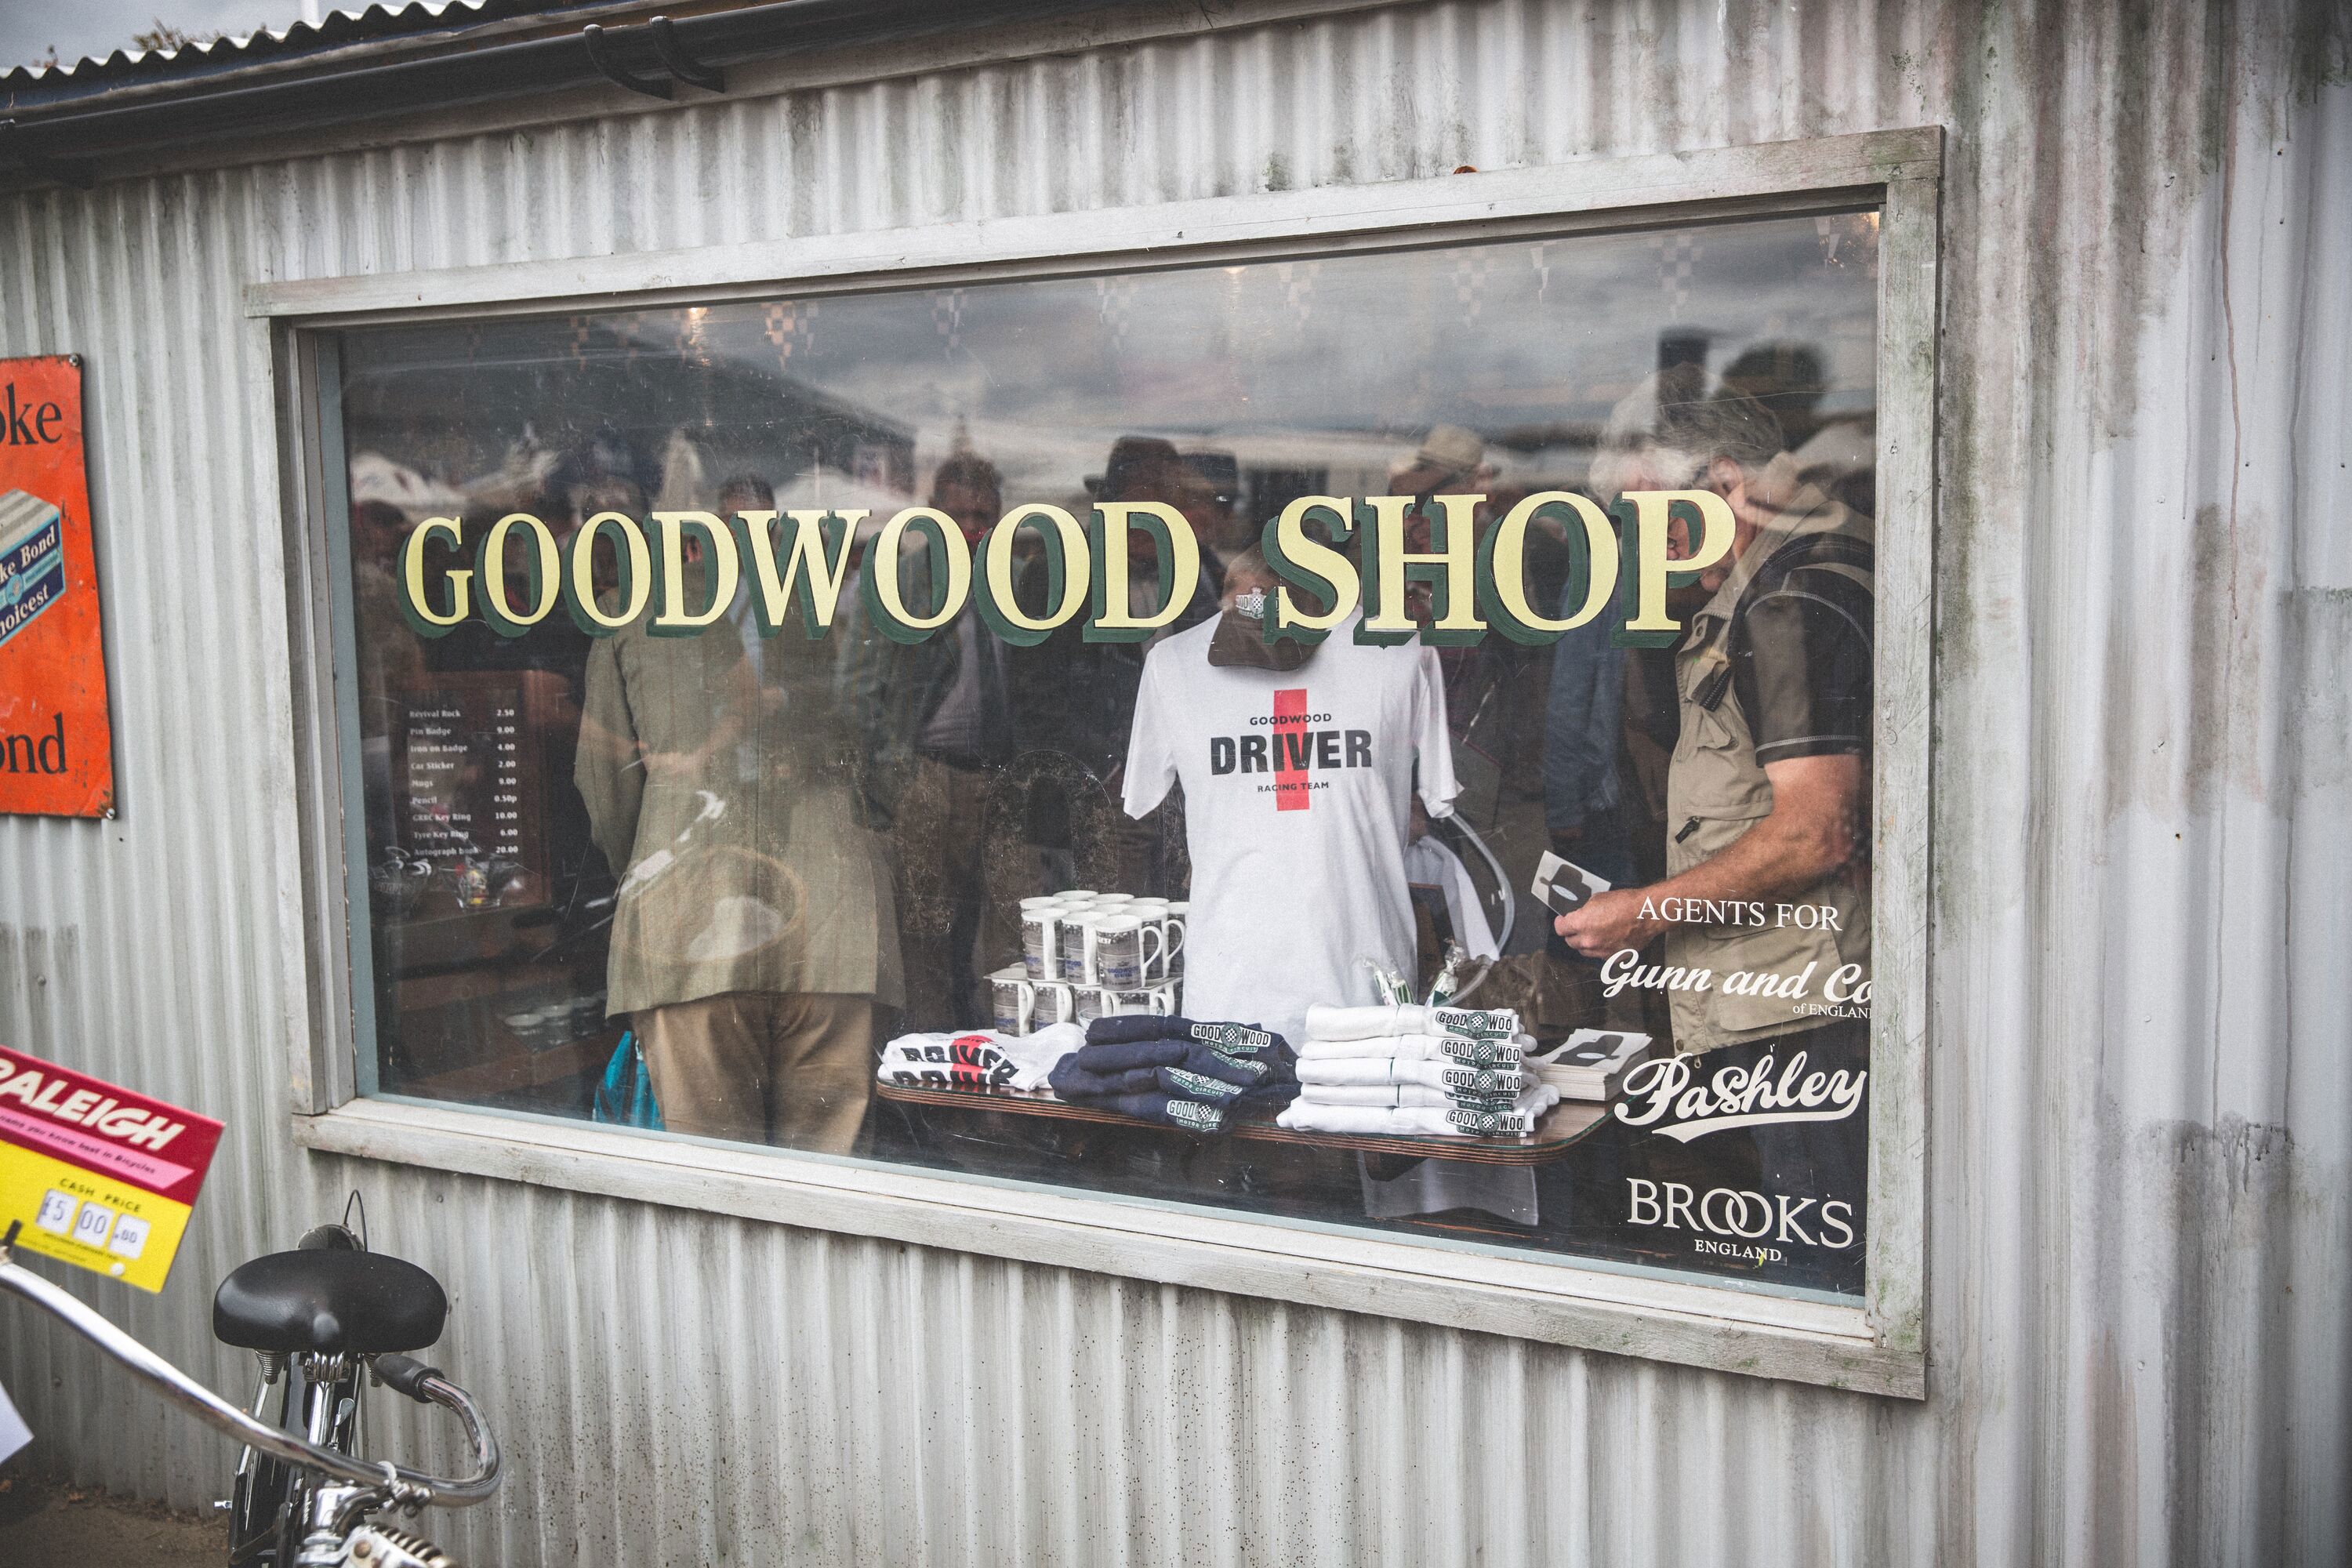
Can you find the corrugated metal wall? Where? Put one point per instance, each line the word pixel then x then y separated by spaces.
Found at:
pixel 2140 1231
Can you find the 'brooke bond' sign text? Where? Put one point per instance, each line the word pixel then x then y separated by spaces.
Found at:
pixel 57 755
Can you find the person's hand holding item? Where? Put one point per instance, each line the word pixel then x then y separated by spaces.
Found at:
pixel 1609 923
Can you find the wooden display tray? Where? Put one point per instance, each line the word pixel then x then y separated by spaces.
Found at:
pixel 1561 1128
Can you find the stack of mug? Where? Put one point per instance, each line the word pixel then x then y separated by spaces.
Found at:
pixel 1085 954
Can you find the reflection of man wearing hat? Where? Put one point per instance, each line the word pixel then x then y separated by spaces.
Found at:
pixel 1449 461
pixel 1076 697
pixel 1149 468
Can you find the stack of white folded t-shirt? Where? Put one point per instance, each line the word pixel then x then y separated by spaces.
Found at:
pixel 1415 1072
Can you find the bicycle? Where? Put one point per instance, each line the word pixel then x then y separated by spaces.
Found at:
pixel 323 1318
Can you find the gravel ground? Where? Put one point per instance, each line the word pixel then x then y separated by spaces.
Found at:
pixel 48 1525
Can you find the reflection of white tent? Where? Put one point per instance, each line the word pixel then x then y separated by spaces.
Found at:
pixel 376 478
pixel 519 480
pixel 1352 462
pixel 1284 447
pixel 836 491
pixel 1037 462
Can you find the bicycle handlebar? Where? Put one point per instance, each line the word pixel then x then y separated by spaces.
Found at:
pixel 405 1375
pixel 277 1442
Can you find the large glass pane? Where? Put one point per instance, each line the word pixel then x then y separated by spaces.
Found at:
pixel 762 865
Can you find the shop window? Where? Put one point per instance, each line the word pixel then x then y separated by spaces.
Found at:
pixel 650 840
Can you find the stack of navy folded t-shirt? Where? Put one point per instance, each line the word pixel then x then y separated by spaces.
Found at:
pixel 1174 1070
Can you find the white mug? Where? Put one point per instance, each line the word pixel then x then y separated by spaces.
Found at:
pixel 1055 1003
pixel 1120 949
pixel 1014 998
pixel 1134 999
pixel 1153 912
pixel 1072 965
pixel 1047 929
pixel 1180 915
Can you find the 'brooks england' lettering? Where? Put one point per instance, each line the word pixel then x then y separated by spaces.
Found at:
pixel 1745 1214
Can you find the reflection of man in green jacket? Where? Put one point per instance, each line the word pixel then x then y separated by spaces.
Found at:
pixel 936 724
pixel 753 935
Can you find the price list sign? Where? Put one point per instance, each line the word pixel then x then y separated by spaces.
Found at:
pixel 506 779
pixel 469 774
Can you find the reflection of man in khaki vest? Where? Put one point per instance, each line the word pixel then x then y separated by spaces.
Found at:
pixel 1768 885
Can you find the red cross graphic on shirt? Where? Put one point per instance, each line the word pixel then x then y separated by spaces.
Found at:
pixel 1288 738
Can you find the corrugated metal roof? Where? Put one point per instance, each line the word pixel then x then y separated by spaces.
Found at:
pixel 59 125
pixel 29 86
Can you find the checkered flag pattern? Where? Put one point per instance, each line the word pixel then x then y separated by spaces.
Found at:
pixel 1835 232
pixel 1296 281
pixel 776 323
pixel 1827 229
pixel 1678 255
pixel 946 316
pixel 1470 273
pixel 1114 303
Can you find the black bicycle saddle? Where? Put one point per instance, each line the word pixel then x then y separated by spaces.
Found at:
pixel 330 1303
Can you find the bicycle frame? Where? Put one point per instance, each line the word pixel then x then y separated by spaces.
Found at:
pixel 397 1485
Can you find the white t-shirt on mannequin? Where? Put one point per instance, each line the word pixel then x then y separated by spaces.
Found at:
pixel 1297 798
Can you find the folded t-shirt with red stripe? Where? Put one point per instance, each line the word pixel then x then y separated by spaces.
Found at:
pixel 978 1059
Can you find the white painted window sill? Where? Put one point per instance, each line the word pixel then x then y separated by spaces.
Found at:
pixel 1560 1303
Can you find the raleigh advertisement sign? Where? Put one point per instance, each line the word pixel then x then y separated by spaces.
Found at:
pixel 57 755
pixel 95 1174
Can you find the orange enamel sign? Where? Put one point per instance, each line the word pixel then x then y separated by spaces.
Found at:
pixel 57 754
